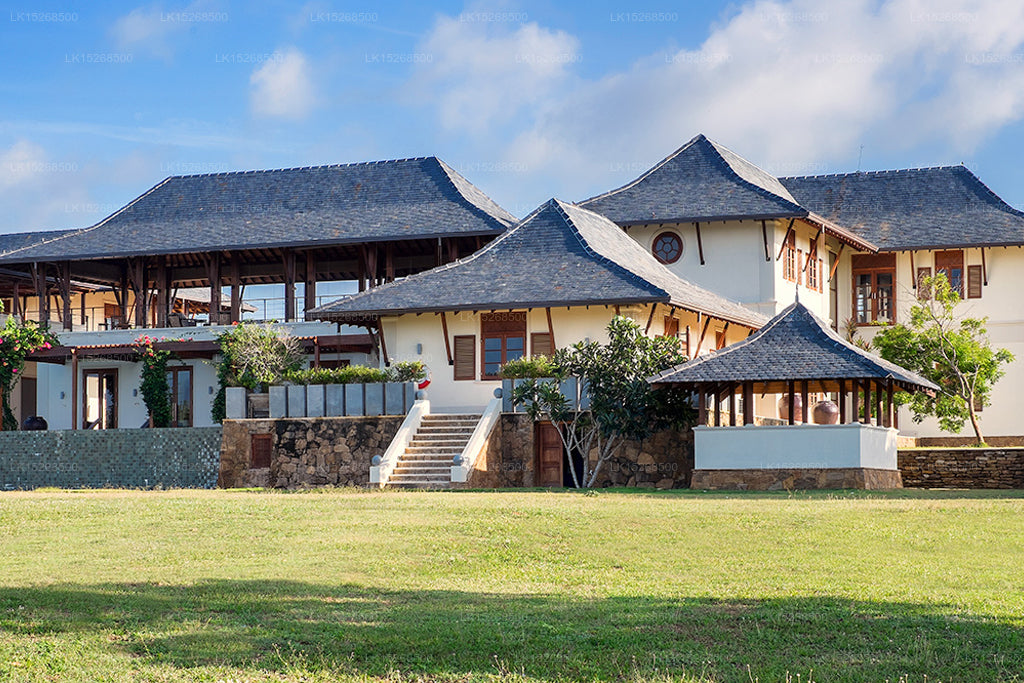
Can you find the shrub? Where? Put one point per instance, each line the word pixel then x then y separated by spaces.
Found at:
pixel 351 374
pixel 530 367
pixel 407 371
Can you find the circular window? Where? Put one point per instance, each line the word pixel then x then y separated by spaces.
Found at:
pixel 667 247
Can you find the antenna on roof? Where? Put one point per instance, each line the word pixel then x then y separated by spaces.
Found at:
pixel 797 297
pixel 860 155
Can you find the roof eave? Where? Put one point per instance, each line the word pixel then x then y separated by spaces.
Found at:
pixel 709 219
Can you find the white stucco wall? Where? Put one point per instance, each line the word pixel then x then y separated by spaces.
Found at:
pixel 794 447
pixel 735 265
pixel 420 337
pixel 1001 302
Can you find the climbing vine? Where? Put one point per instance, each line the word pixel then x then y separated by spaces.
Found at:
pixel 18 339
pixel 156 392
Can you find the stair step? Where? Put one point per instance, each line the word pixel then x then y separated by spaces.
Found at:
pixel 427 460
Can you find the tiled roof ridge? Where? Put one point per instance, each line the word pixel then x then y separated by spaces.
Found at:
pixel 76 233
pixel 452 264
pixel 960 169
pixel 754 186
pixel 449 171
pixel 700 137
pixel 560 207
pixel 716 353
pixel 257 171
pixel 884 171
pixel 650 171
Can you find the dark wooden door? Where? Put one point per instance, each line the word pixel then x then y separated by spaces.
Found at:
pixel 549 454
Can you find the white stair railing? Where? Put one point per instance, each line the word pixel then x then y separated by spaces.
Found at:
pixel 383 466
pixel 467 459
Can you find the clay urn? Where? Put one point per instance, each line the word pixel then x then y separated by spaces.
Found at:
pixel 797 407
pixel 825 413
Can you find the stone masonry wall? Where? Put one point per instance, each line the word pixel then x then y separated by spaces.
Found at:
pixel 307 452
pixel 975 468
pixel 665 460
pixel 111 458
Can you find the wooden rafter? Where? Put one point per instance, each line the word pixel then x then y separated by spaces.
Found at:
pixel 785 239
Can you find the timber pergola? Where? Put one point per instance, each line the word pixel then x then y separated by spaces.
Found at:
pixel 794 354
pixel 370 223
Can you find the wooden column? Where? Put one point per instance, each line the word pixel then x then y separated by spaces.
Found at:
pixel 842 402
pixel 803 401
pixel 702 406
pixel 122 287
pixel 16 302
pixel 889 419
pixel 748 403
pixel 389 262
pixel 235 277
pixel 718 406
pixel 289 285
pixel 214 277
pixel 855 415
pixel 361 266
pixel 81 304
pixel 309 292
pixel 867 402
pixel 64 289
pixel 74 388
pixel 137 275
pixel 163 292
pixel 42 295
pixel 792 402
pixel 732 405
pixel 316 352
pixel 879 416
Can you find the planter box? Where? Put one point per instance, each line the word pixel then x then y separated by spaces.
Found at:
pixel 315 398
pixel 235 403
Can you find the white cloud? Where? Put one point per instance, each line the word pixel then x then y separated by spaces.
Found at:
pixel 151 29
pixel 283 86
pixel 39 192
pixel 482 73
pixel 793 85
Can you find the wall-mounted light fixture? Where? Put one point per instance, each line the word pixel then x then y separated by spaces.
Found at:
pixel 419 349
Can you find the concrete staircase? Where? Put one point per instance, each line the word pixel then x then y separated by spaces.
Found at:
pixel 427 462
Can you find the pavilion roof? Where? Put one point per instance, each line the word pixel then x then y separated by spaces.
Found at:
pixel 795 345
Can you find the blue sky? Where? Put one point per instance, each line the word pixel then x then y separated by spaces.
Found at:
pixel 528 100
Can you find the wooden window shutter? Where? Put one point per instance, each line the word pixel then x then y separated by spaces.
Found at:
pixel 689 353
pixel 540 344
pixel 261 451
pixel 671 326
pixel 973 282
pixel 799 270
pixel 923 291
pixel 720 339
pixel 465 356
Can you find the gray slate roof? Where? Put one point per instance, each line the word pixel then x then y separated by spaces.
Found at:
pixel 700 181
pixel 378 201
pixel 561 255
pixel 927 208
pixel 794 345
pixel 19 240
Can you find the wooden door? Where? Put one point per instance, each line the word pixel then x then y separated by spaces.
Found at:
pixel 550 453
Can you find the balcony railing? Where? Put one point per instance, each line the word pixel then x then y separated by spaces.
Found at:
pixel 97 318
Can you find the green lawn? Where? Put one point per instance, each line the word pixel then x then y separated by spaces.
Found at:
pixel 352 585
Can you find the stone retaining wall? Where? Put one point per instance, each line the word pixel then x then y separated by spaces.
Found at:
pixel 111 458
pixel 306 452
pixel 664 461
pixel 789 480
pixel 973 468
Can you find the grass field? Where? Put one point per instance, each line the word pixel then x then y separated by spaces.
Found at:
pixel 354 585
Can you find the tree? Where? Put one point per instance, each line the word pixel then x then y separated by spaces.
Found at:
pixel 254 356
pixel 623 406
pixel 954 353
